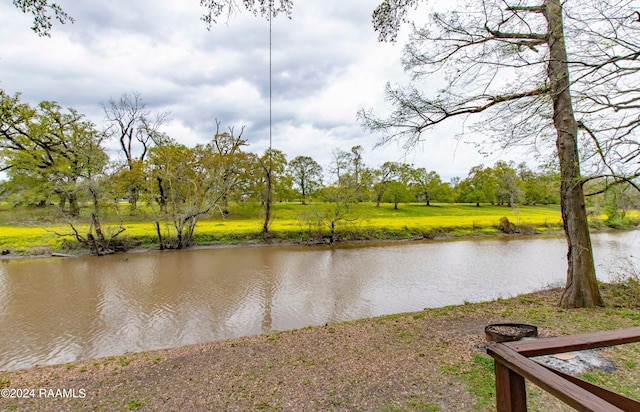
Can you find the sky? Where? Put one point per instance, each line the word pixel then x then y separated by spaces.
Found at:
pixel 327 64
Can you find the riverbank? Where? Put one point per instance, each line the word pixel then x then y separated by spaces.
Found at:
pixel 430 360
pixel 42 232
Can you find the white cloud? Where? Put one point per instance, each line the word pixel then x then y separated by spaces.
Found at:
pixel 327 64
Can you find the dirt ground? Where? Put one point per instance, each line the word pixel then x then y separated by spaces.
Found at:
pixel 393 363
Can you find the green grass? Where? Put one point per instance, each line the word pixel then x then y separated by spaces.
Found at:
pixel 35 230
pixel 479 376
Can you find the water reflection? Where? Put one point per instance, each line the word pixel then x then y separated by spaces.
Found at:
pixel 57 310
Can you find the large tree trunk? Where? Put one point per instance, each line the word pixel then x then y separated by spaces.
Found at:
pixel 582 287
pixel 74 207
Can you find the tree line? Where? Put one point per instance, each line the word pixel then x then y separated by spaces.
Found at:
pixel 55 155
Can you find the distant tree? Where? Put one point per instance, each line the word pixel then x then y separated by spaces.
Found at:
pixel 339 208
pixel 357 163
pixel 348 185
pixel 273 164
pixel 249 174
pixel 388 172
pixel 539 187
pixel 613 200
pixel 479 186
pixel 43 13
pixel 59 153
pixel 348 169
pixel 427 185
pixel 306 174
pixel 341 164
pixel 507 183
pixel 397 192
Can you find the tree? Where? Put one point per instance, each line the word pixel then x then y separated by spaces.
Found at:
pixel 507 183
pixel 188 183
pixel 306 174
pixel 427 185
pixel 341 164
pixel 349 170
pixel 43 12
pixel 357 163
pixel 538 187
pixel 387 173
pixel 49 149
pixel 515 63
pixel 479 186
pixel 614 201
pixel 338 209
pixel 61 153
pixel 397 192
pixel 273 164
pixel 136 129
pixel 228 148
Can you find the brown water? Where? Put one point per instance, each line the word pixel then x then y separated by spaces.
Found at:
pixel 55 310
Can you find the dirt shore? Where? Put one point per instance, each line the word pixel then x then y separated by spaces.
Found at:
pixel 413 361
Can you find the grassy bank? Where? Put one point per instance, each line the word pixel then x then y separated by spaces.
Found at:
pixel 432 360
pixel 33 231
pixel 42 231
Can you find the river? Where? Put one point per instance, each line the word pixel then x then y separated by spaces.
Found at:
pixel 55 310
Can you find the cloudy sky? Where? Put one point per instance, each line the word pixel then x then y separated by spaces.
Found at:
pixel 327 64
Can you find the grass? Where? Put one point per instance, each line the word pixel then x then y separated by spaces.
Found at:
pixel 479 376
pixel 38 230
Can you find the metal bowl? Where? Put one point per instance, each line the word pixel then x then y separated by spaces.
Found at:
pixel 509 332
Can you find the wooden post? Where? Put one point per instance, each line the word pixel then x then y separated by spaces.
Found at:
pixel 511 395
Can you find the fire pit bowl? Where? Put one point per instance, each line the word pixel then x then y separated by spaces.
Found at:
pixel 509 332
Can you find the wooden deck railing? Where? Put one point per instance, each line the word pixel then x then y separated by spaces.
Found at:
pixel 513 367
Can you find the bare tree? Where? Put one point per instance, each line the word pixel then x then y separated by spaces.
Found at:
pixel 136 129
pixel 525 65
pixel 228 147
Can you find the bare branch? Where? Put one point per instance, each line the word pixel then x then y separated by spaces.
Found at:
pixel 215 9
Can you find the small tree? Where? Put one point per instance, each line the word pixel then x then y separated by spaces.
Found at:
pixel 338 210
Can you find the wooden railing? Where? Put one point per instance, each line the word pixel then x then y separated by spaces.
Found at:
pixel 513 367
